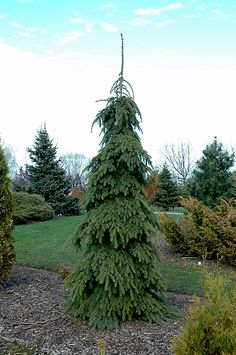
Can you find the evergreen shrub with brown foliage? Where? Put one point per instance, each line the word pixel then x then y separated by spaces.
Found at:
pixel 205 232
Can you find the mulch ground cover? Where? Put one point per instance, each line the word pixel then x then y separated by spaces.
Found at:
pixel 32 316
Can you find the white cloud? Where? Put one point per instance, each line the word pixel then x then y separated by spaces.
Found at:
pixel 109 27
pixel 25 34
pixel 2 17
pixel 166 54
pixel 221 15
pixel 25 1
pixel 139 22
pixel 38 30
pixel 190 16
pixel 69 38
pixel 158 11
pixel 75 60
pixel 88 25
pixel 51 90
pixel 200 8
pixel 164 23
pixel 15 24
pixel 108 6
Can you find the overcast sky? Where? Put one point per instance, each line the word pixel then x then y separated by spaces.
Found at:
pixel 57 57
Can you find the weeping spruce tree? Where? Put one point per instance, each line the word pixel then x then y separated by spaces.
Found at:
pixel 117 276
pixel 7 253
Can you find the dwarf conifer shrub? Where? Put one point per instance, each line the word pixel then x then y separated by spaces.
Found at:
pixel 211 322
pixel 181 234
pixel 7 254
pixel 206 232
pixel 117 277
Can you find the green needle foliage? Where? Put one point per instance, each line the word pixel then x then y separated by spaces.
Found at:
pixel 167 194
pixel 211 323
pixel 117 277
pixel 212 178
pixel 7 254
pixel 46 177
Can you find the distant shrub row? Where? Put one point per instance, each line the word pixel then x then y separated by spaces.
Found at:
pixel 206 232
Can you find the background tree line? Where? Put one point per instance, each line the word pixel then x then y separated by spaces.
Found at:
pixel 208 179
pixel 61 181
pixel 44 187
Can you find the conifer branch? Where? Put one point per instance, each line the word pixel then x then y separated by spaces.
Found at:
pixel 122 64
pixel 122 87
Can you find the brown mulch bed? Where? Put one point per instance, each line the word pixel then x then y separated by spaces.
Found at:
pixel 32 313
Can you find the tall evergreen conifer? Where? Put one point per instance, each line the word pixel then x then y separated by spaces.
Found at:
pixel 117 276
pixel 7 253
pixel 167 194
pixel 212 179
pixel 46 177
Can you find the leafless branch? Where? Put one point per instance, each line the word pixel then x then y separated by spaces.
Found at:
pixel 180 160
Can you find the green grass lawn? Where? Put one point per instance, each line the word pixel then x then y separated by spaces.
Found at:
pixel 49 245
pixel 181 278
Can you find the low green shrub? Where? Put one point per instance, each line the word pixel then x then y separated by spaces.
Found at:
pixel 30 207
pixel 205 232
pixel 211 322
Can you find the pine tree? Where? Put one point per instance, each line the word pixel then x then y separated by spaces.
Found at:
pixel 7 253
pixel 117 276
pixel 167 195
pixel 46 177
pixel 212 179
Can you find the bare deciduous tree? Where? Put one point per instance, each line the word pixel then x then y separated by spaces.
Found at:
pixel 74 165
pixel 180 160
